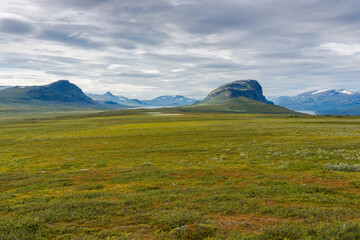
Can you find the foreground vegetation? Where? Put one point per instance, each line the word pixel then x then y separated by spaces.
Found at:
pixel 136 175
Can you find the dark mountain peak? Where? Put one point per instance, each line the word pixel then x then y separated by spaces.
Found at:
pixel 240 88
pixel 60 83
pixel 109 94
pixel 59 91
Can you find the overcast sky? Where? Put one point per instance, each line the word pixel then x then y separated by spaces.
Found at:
pixel 148 48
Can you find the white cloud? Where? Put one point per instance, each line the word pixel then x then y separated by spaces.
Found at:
pixel 345 49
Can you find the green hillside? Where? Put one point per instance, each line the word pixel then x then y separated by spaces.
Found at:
pixel 237 105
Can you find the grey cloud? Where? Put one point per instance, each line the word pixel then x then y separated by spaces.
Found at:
pixel 139 75
pixel 125 45
pixel 77 4
pixel 61 59
pixel 135 8
pixel 65 38
pixel 59 73
pixel 22 61
pixel 294 54
pixel 15 26
pixel 179 58
pixel 220 22
pixel 222 66
pixel 132 34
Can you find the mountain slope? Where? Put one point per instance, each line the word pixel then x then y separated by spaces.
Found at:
pixel 4 87
pixel 58 92
pixel 328 101
pixel 250 89
pixel 170 100
pixel 110 98
pixel 237 105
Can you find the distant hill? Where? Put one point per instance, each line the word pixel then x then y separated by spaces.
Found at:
pixel 241 96
pixel 62 92
pixel 4 87
pixel 237 105
pixel 170 100
pixel 327 101
pixel 110 98
pixel 250 89
pixel 355 110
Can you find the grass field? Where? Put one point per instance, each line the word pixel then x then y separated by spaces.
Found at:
pixel 135 175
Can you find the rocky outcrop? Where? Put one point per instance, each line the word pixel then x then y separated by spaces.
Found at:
pixel 241 88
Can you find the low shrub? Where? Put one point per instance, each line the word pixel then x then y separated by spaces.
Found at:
pixel 344 167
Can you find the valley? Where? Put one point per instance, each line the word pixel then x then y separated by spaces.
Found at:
pixel 168 174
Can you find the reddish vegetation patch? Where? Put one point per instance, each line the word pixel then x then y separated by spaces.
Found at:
pixel 288 204
pixel 338 183
pixel 247 223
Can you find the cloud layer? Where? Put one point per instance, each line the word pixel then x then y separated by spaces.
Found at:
pixel 147 48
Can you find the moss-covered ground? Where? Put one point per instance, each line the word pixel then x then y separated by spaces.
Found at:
pixel 189 176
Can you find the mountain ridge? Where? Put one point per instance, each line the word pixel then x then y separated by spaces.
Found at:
pixel 165 100
pixel 109 98
pixel 323 101
pixel 170 100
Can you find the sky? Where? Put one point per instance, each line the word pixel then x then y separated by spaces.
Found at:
pixel 147 48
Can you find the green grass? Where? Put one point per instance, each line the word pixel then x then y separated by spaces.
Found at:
pixel 133 175
pixel 237 105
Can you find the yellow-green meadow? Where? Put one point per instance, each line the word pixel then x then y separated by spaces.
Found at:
pixel 137 174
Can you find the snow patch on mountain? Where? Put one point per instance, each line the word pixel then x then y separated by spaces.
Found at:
pixel 344 91
pixel 320 91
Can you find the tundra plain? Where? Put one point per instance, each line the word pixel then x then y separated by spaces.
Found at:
pixel 134 174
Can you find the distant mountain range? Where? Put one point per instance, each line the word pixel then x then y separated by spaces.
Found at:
pixel 109 98
pixel 168 100
pixel 244 96
pixel 326 101
pixel 65 93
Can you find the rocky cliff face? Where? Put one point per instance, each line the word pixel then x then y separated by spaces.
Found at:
pixel 241 88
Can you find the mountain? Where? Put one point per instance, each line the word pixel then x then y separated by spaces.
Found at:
pixel 170 100
pixel 237 105
pixel 109 98
pixel 62 92
pixel 4 87
pixel 326 101
pixel 241 96
pixel 250 89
